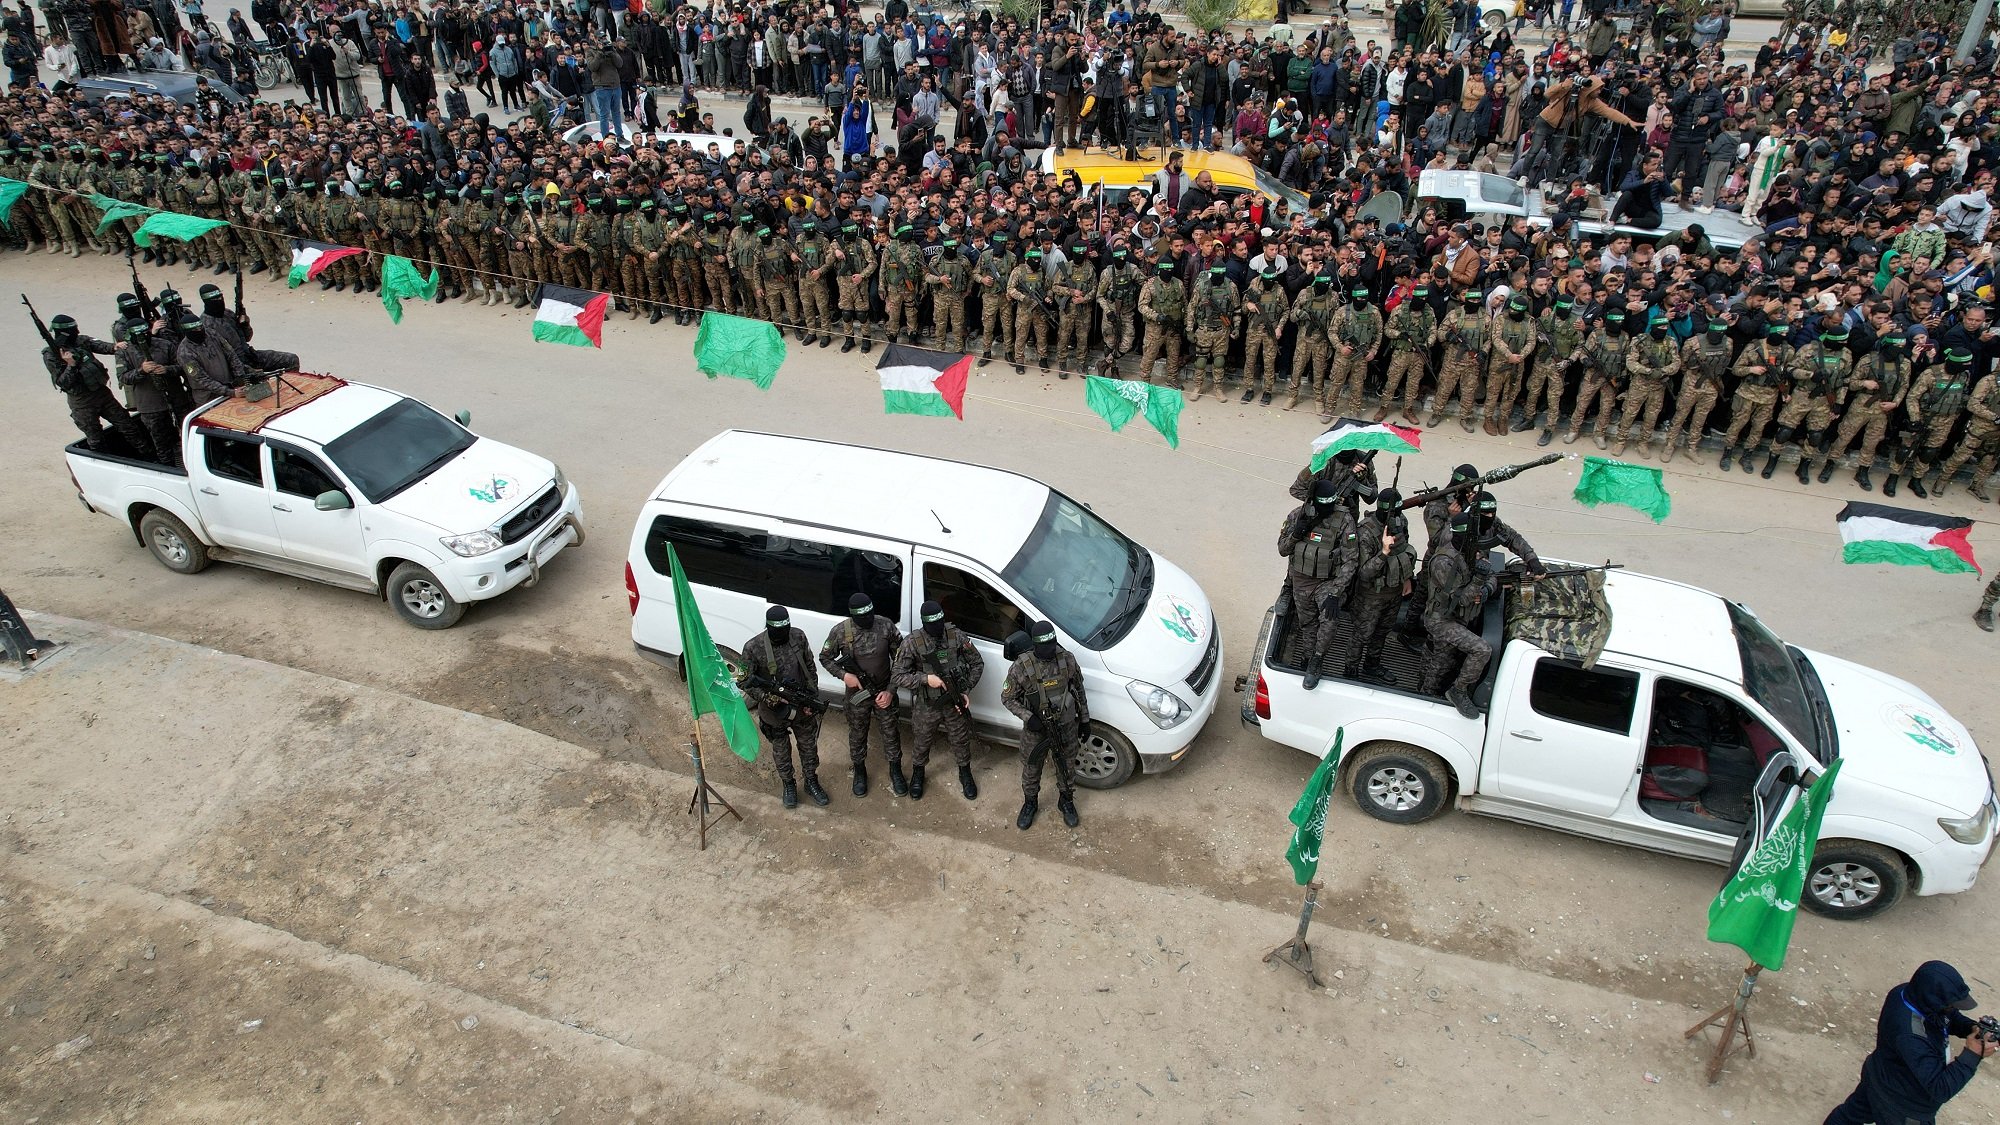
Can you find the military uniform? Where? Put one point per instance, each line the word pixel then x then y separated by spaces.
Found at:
pixel 1817 368
pixel 902 293
pixel 1467 333
pixel 1381 582
pixel 1356 335
pixel 952 659
pixel 1412 329
pixel 85 384
pixel 778 270
pixel 1211 324
pixel 1504 376
pixel 857 265
pixel 1313 311
pixel 1558 337
pixel 950 280
pixel 1866 412
pixel 1981 439
pixel 1265 310
pixel 1163 306
pixel 816 263
pixel 1071 291
pixel 1703 362
pixel 1048 693
pixel 1027 289
pixel 1456 592
pixel 1760 370
pixel 784 725
pixel 596 258
pixel 993 271
pixel 1603 376
pixel 1648 364
pixel 1934 404
pixel 148 393
pixel 212 366
pixel 680 265
pixel 867 650
pixel 1118 288
pixel 1325 552
pixel 524 249
pixel 481 230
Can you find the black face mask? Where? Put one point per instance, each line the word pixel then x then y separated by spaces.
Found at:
pixel 1659 331
pixel 935 628
pixel 1045 650
pixel 195 335
pixel 1715 334
pixel 1515 314
pixel 778 634
pixel 951 252
pixel 214 307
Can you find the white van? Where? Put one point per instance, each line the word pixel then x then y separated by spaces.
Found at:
pixel 759 518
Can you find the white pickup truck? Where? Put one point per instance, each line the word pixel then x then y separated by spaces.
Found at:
pixel 349 485
pixel 1584 727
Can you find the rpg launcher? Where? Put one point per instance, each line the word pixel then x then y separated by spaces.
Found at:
pixel 1503 473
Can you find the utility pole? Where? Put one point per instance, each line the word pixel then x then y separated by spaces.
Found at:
pixel 1975 29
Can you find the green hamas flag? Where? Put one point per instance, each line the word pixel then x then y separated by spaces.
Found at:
pixel 1309 815
pixel 11 192
pixel 740 348
pixel 1756 908
pixel 712 689
pixel 1117 400
pixel 401 281
pixel 117 209
pixel 170 224
pixel 1614 482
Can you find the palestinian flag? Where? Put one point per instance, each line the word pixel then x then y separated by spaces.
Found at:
pixel 1877 533
pixel 570 316
pixel 309 258
pixel 921 381
pixel 1353 433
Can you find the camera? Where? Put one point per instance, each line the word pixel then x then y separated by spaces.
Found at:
pixel 1989 1029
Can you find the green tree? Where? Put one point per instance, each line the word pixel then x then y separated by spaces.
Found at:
pixel 1209 15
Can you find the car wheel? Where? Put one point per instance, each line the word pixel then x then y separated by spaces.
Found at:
pixel 1850 880
pixel 1494 21
pixel 1400 784
pixel 421 599
pixel 1106 759
pixel 170 541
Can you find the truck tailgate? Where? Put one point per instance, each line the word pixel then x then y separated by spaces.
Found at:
pixel 1246 684
pixel 112 484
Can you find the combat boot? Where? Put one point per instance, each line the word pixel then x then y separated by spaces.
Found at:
pixel 1889 484
pixel 1673 446
pixel 1264 399
pixel 1437 415
pixel 1066 805
pixel 1917 485
pixel 1312 671
pixel 1547 437
pixel 521 297
pixel 860 780
pixel 658 312
pixel 1457 698
pixel 1861 478
pixel 1983 617
pixel 916 783
pixel 966 784
pixel 814 791
pixel 1941 487
pixel 1770 465
pixel 1293 402
pixel 1026 820
pixel 1603 440
pixel 1249 393
pixel 1979 489
pixel 1381 413
pixel 1570 439
pixel 897 784
pixel 1803 471
pixel 790 795
pixel 1826 472
pixel 847 345
pixel 1619 449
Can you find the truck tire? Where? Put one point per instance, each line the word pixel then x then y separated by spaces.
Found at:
pixel 421 599
pixel 1106 759
pixel 1851 880
pixel 168 540
pixel 1399 783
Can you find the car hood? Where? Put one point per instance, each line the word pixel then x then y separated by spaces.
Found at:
pixel 478 489
pixel 1895 736
pixel 1171 634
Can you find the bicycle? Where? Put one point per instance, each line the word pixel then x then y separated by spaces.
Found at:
pixel 269 64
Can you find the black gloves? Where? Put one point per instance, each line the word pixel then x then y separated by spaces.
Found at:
pixel 1032 724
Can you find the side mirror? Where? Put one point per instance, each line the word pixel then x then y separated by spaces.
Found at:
pixel 332 501
pixel 464 417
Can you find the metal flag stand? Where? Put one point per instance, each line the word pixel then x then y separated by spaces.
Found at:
pixel 1734 1020
pixel 1296 953
pixel 703 792
pixel 17 640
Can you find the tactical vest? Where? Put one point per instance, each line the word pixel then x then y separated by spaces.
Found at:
pixel 992 272
pixel 1170 300
pixel 868 647
pixel 1415 326
pixel 1946 396
pixel 1051 686
pixel 1358 328
pixel 938 658
pixel 1710 360
pixel 1270 317
pixel 1318 554
pixel 1771 359
pixel 1607 355
pixel 1516 334
pixel 1822 367
pixel 1470 332
pixel 1125 284
pixel 1214 305
pixel 1657 353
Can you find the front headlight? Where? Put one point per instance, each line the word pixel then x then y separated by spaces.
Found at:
pixel 468 546
pixel 1972 829
pixel 1160 705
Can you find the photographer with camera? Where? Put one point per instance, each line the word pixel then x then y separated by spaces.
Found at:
pixel 1910 1074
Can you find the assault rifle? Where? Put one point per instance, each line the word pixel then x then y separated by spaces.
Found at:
pixel 47 336
pixel 808 703
pixel 1513 577
pixel 1503 473
pixel 242 317
pixel 951 688
pixel 148 307
pixel 867 690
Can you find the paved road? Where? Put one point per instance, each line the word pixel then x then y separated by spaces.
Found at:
pixel 557 658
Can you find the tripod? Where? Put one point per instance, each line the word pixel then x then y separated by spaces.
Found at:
pixel 704 792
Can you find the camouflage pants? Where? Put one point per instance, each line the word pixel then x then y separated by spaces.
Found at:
pixel 1545 391
pixel 635 280
pixel 948 320
pixel 1061 745
pixel 1161 339
pixel 1866 420
pixel 1981 440
pixel 458 265
pixel 1460 374
pixel 1991 594
pixel 818 302
pixel 1924 443
pixel 999 320
pixel 901 305
pixel 1310 357
pixel 1260 360
pixel 781 302
pixel 1313 610
pixel 86 410
pixel 683 281
pixel 1350 371
pixel 1692 406
pixel 1374 611
pixel 1031 321
pixel 63 220
pixel 1121 330
pixel 1406 374
pixel 1596 388
pixel 1073 334
pixel 721 292
pixel 1803 407
pixel 1503 382
pixel 860 715
pixel 526 263
pixel 1643 400
pixel 1211 355
pixel 1749 413
pixel 1451 641
pixel 926 720
pixel 783 736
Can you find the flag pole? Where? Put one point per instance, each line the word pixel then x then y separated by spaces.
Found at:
pixel 1296 953
pixel 703 791
pixel 1734 1019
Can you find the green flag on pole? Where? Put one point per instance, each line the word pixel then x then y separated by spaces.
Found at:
pixel 1117 400
pixel 1309 815
pixel 117 209
pixel 170 224
pixel 401 282
pixel 712 689
pixel 11 192
pixel 1756 908
pixel 1614 482
pixel 740 348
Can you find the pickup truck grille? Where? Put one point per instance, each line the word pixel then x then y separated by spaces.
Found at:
pixel 1204 672
pixel 531 517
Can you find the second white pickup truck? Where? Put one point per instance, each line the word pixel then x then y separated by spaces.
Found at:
pixel 349 485
pixel 1645 713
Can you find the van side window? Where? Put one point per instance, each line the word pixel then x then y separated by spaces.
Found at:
pixel 971 604
pixel 802 574
pixel 1591 697
pixel 234 458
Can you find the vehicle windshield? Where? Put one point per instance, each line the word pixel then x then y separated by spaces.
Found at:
pixel 1083 575
pixel 1772 678
pixel 1502 191
pixel 397 448
pixel 1275 188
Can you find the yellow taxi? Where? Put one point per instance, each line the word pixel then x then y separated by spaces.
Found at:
pixel 1102 170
